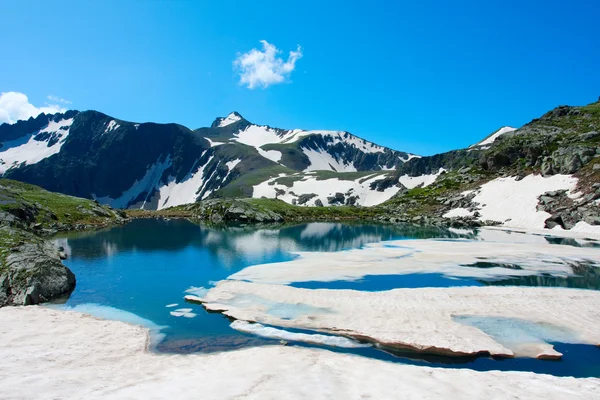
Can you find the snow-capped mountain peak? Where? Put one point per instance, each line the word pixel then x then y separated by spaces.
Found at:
pixel 230 119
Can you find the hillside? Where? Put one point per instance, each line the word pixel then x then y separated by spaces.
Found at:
pixel 542 175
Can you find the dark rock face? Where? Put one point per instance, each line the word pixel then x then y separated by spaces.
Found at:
pixel 305 198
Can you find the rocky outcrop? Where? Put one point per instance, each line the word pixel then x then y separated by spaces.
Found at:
pixel 228 210
pixel 566 212
pixel 32 272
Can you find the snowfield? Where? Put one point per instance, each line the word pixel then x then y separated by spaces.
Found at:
pixel 323 161
pixel 78 356
pixel 424 319
pixel 324 188
pixel 514 203
pixel 29 150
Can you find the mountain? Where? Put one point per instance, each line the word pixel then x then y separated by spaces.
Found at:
pixel 153 166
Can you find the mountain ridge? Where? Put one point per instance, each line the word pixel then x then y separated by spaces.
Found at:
pixel 150 165
pixel 156 166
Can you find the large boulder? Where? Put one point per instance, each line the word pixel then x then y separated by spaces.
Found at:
pixel 32 273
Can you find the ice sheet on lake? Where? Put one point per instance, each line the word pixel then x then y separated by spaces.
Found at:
pixel 420 319
pixel 453 258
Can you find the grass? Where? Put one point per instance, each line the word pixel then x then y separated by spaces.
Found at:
pixel 292 212
pixel 52 207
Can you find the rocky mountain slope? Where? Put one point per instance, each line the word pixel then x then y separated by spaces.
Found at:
pixel 154 166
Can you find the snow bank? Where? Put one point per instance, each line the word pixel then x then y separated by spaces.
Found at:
pixel 458 212
pixel 77 356
pixel 28 150
pixel 420 319
pixel 451 258
pixel 514 203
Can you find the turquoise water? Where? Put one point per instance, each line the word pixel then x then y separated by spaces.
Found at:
pixel 141 271
pixel 148 264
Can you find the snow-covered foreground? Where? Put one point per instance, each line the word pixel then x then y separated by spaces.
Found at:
pixel 419 319
pixel 451 258
pixel 77 356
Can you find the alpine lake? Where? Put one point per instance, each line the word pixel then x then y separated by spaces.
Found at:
pixel 140 272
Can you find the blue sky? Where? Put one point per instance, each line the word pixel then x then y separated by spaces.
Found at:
pixel 423 76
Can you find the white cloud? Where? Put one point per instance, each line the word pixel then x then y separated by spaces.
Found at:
pixel 58 99
pixel 15 106
pixel 263 68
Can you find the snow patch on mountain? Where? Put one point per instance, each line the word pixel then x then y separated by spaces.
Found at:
pixel 34 147
pixel 175 194
pixel 492 138
pixel 111 126
pixel 272 155
pixel 309 184
pixel 411 182
pixel 322 160
pixel 213 144
pixel 232 118
pixel 409 157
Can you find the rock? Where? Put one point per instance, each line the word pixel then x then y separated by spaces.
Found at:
pixel 34 273
pixel 553 221
pixel 547 168
pixel 318 203
pixel 304 198
pixel 571 164
pixel 336 199
pixel 596 167
pixel 592 220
